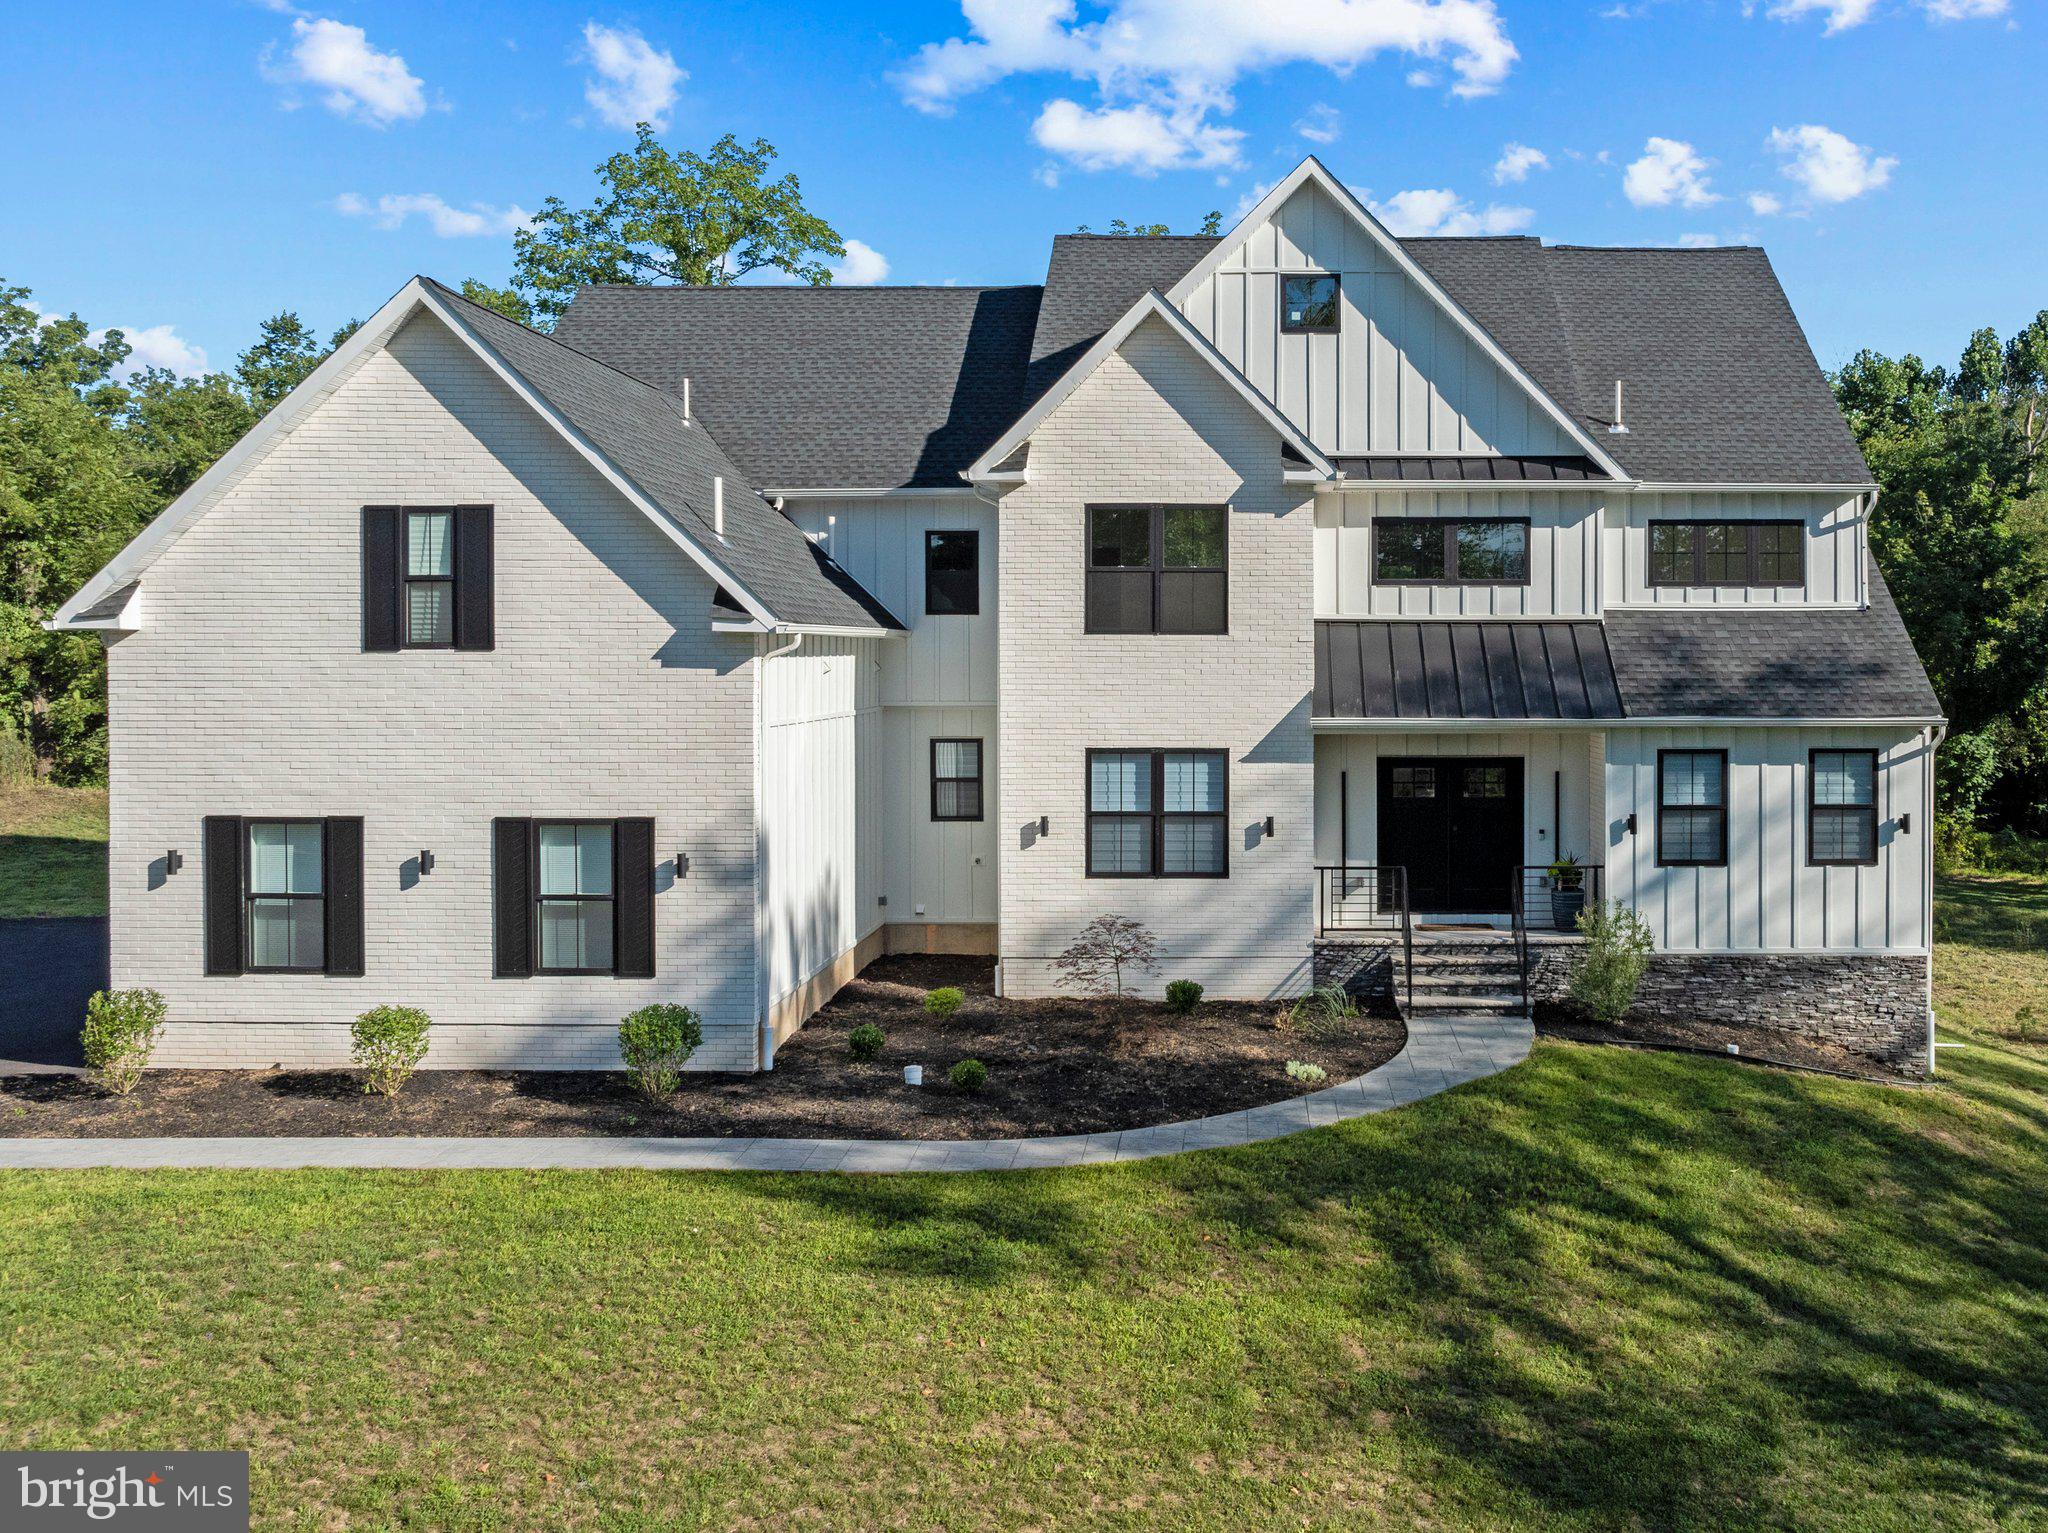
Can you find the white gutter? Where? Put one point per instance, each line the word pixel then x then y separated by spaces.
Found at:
pixel 764 1003
pixel 1425 724
pixel 869 492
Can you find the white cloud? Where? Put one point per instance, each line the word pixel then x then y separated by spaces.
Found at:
pixel 1321 123
pixel 1698 241
pixel 1669 171
pixel 1143 139
pixel 1829 166
pixel 1841 14
pixel 152 346
pixel 635 81
pixel 1763 204
pixel 1515 163
pixel 1963 10
pixel 358 81
pixel 390 211
pixel 864 265
pixel 1421 79
pixel 1175 62
pixel 1424 212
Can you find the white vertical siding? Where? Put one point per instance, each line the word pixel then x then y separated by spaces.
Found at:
pixel 1768 897
pixel 936 870
pixel 1834 546
pixel 1400 376
pixel 1564 527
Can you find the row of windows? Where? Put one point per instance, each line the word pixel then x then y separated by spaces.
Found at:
pixel 1494 550
pixel 1692 808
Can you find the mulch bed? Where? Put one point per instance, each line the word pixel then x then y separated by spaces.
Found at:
pixel 1055 1067
pixel 1758 1045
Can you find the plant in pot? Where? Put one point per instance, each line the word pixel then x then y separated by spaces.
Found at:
pixel 1567 892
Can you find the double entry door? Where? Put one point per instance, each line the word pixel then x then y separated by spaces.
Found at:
pixel 1455 823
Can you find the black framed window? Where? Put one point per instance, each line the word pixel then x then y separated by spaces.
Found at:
pixel 1413 550
pixel 1747 553
pixel 575 896
pixel 1692 808
pixel 1158 814
pixel 952 573
pixel 430 579
pixel 1158 569
pixel 956 779
pixel 1308 304
pixel 1841 808
pixel 1414 782
pixel 284 892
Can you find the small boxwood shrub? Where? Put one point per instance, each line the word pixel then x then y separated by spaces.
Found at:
pixel 865 1041
pixel 970 1075
pixel 944 1001
pixel 656 1042
pixel 119 1035
pixel 1306 1073
pixel 387 1044
pixel 1612 964
pixel 1183 995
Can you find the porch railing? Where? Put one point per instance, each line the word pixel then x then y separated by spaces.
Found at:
pixel 1552 902
pixel 1366 897
pixel 1518 913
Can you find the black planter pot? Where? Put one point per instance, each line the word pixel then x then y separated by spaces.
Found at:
pixel 1565 905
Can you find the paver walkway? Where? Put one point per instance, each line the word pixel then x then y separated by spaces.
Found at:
pixel 1441 1052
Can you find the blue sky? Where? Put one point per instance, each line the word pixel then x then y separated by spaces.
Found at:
pixel 183 170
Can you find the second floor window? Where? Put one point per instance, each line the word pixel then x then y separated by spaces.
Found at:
pixel 1692 808
pixel 1727 553
pixel 1410 550
pixel 429 579
pixel 952 573
pixel 1158 569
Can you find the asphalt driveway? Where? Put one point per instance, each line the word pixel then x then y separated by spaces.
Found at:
pixel 48 968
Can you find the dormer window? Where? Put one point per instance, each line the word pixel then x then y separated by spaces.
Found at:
pixel 1308 305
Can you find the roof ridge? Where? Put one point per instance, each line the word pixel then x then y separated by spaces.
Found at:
pixel 806 287
pixel 573 351
pixel 1702 250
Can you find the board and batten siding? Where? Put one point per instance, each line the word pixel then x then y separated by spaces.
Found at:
pixel 822 766
pixel 1835 535
pixel 937 872
pixel 1769 898
pixel 1400 375
pixel 1563 533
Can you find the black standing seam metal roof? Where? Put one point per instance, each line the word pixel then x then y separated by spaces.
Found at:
pixel 1470 469
pixel 1404 668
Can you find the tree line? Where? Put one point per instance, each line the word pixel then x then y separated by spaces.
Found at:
pixel 88 456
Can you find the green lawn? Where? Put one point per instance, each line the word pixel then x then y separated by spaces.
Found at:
pixel 1607 1290
pixel 53 850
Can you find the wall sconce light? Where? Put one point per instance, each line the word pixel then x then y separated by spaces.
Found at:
pixel 1269 825
pixel 1045 825
pixel 1631 824
pixel 173 860
pixel 1906 824
pixel 426 862
pixel 682 864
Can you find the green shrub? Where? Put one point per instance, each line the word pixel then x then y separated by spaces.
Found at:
pixel 119 1035
pixel 1611 967
pixel 865 1041
pixel 1183 995
pixel 656 1042
pixel 1324 1015
pixel 944 1001
pixel 388 1043
pixel 1307 1074
pixel 970 1075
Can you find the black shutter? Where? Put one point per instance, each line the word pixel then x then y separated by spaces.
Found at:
pixel 383 577
pixel 344 896
pixel 474 619
pixel 636 899
pixel 221 853
pixel 512 898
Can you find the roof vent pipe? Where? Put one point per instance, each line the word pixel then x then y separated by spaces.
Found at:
pixel 718 504
pixel 1618 427
pixel 686 399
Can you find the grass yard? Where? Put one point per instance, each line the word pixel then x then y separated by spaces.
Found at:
pixel 53 850
pixel 1610 1289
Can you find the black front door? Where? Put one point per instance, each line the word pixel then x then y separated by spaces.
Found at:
pixel 1455 823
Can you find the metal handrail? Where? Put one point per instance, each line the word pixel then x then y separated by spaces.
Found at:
pixel 1407 944
pixel 1355 896
pixel 1521 923
pixel 1537 884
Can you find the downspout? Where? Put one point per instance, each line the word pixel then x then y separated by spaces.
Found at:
pixel 765 1039
pixel 1934 738
pixel 995 504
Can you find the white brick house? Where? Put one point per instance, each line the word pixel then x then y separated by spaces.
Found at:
pixel 1288 591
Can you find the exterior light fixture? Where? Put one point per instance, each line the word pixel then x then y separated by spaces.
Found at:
pixel 426 862
pixel 1269 825
pixel 1631 824
pixel 1045 825
pixel 1906 824
pixel 682 864
pixel 173 860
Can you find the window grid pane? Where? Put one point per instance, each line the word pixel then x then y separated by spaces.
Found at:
pixel 430 543
pixel 287 934
pixel 1414 782
pixel 1844 835
pixel 1193 537
pixel 1844 778
pixel 576 934
pixel 1308 303
pixel 1493 551
pixel 1192 845
pixel 1120 783
pixel 1671 546
pixel 430 612
pixel 1120 844
pixel 1408 548
pixel 1121 538
pixel 1690 835
pixel 1194 782
pixel 1780 553
pixel 284 857
pixel 1692 777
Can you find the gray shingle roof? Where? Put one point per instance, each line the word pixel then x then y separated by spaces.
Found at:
pixel 1405 669
pixel 1763 662
pixel 643 433
pixel 826 387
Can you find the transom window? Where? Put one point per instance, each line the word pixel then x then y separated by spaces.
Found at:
pixel 430 579
pixel 1157 814
pixel 1451 551
pixel 1308 304
pixel 956 779
pixel 1727 553
pixel 1841 808
pixel 576 896
pixel 1158 569
pixel 1692 808
pixel 952 573
pixel 284 887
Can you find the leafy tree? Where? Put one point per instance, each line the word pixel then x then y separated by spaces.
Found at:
pixel 663 216
pixel 506 301
pixel 284 354
pixel 1094 963
pixel 1212 223
pixel 175 428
